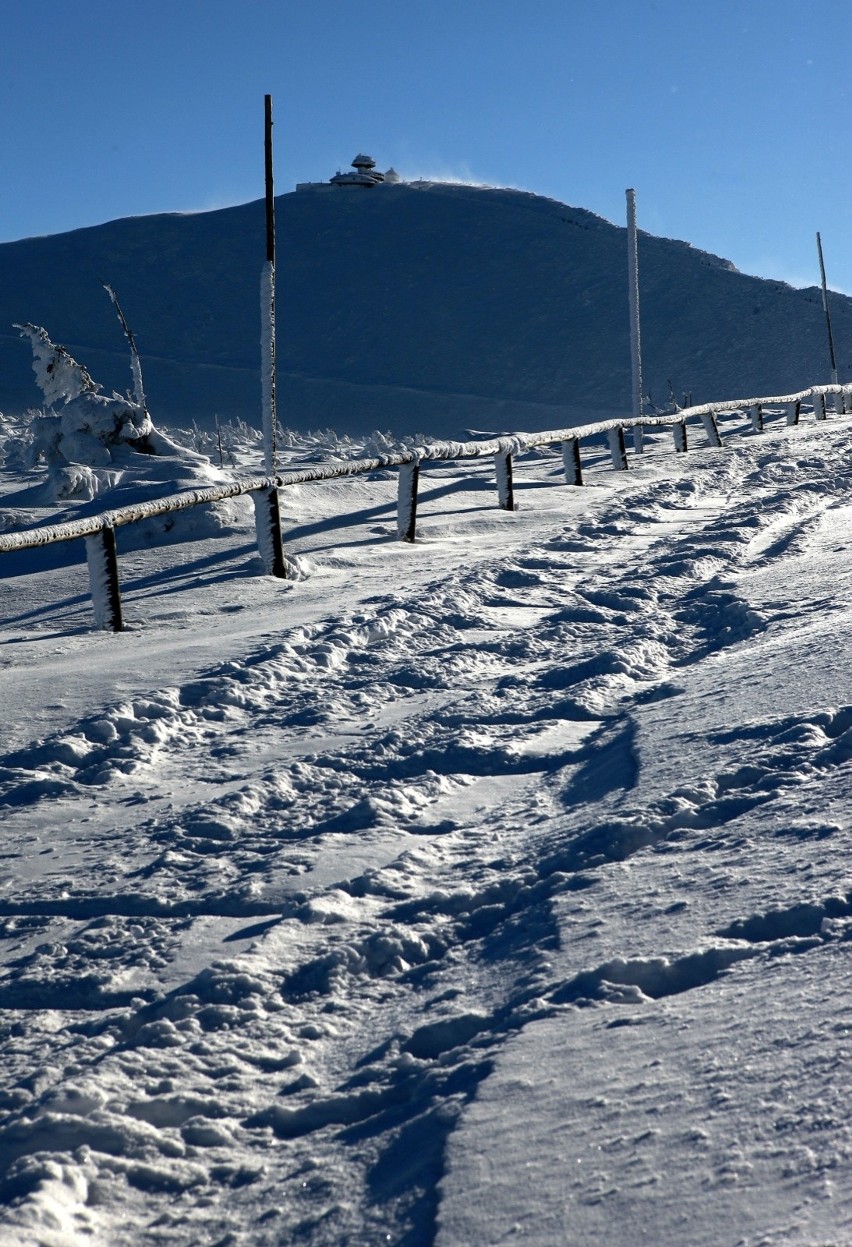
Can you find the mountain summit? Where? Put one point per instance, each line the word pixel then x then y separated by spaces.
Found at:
pixel 409 306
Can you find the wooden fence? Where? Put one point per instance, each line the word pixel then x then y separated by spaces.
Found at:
pixel 98 531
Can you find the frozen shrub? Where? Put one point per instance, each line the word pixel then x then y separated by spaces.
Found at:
pixel 87 440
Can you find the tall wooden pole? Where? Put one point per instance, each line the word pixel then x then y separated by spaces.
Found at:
pixel 827 313
pixel 635 339
pixel 267 309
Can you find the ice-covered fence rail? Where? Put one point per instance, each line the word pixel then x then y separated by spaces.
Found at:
pixel 99 530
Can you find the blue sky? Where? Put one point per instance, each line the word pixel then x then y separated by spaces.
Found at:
pixel 731 118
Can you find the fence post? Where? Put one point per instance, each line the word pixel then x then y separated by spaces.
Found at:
pixel 571 460
pixel 638 439
pixel 103 579
pixel 267 524
pixel 819 406
pixel 711 428
pixel 755 414
pixel 505 489
pixel 406 502
pixel 793 410
pixel 617 449
pixel 679 431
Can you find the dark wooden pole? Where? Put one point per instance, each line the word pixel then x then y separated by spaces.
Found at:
pixel 406 505
pixel 267 309
pixel 617 449
pixel 827 313
pixel 103 579
pixel 270 195
pixel 505 487
pixel 572 462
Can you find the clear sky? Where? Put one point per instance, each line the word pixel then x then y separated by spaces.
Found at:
pixel 731 118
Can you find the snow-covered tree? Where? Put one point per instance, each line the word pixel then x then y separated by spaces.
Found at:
pixel 86 439
pixel 93 444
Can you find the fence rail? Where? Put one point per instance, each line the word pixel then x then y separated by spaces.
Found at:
pixel 98 531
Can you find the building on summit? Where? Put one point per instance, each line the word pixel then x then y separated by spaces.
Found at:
pixel 364 173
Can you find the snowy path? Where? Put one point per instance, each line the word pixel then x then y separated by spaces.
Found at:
pixel 502 899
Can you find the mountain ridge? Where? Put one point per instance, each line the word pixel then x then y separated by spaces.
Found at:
pixel 417 307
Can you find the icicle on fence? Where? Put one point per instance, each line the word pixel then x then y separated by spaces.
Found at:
pixel 617 449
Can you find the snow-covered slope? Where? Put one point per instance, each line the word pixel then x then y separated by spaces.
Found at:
pixel 420 307
pixel 489 889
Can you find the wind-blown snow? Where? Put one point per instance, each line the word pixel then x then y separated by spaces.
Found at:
pixel 491 888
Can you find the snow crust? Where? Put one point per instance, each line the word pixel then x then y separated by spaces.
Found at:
pixel 489 888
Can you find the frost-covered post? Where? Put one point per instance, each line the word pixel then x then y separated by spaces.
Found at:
pixel 505 489
pixel 755 414
pixel 267 310
pixel 680 440
pixel 103 579
pixel 267 524
pixel 819 406
pixel 711 428
pixel 571 460
pixel 617 449
pixel 826 311
pixel 635 339
pixel 793 410
pixel 406 505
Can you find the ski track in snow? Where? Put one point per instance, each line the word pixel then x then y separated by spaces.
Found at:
pixel 274 928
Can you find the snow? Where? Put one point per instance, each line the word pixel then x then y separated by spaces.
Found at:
pixel 492 887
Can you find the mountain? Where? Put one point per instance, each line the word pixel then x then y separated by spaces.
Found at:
pixel 419 306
